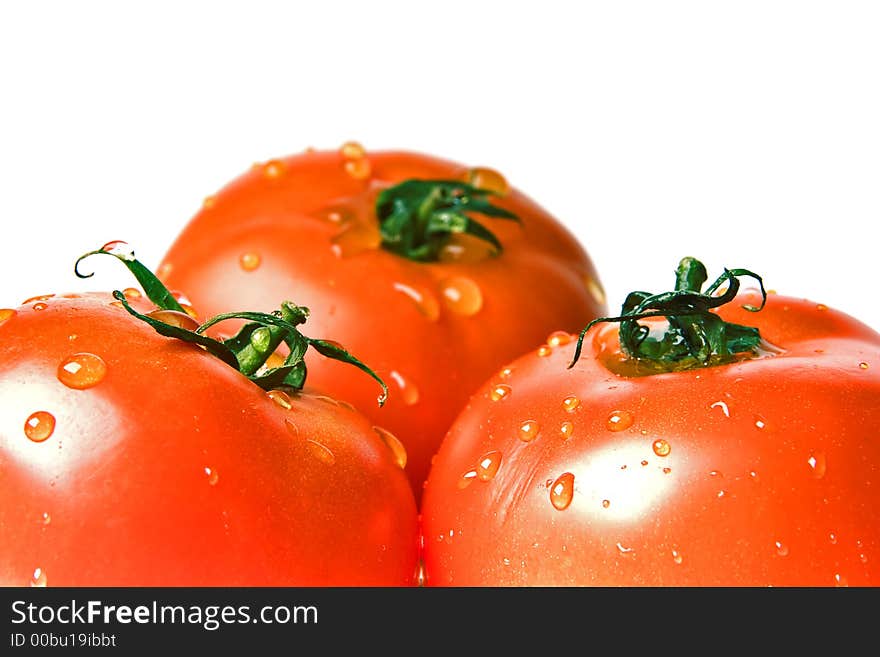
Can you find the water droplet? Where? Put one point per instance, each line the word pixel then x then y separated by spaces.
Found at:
pixel 619 420
pixel 862 366
pixel 723 406
pixel 643 462
pixel 6 313
pixel 249 261
pixel 464 249
pixel 759 422
pixel 499 392
pixel 716 474
pixel 840 580
pixel 120 249
pixel 209 202
pixel 781 549
pixel 175 318
pixel 213 476
pixel 38 578
pixel 409 393
pixel 676 557
pixel 466 479
pixel 281 398
pixel 425 301
pixel 273 169
pixel 567 430
pixel 661 447
pixel 571 403
pixel 39 297
pixel 398 451
pixel 352 150
pixel 39 426
pixel 833 538
pixel 487 466
pixel 505 373
pixel 358 169
pixel 81 371
pixel 606 504
pixel 817 463
pixel 462 295
pixel 623 549
pixel 821 306
pixel 320 452
pixel 40 306
pixel 356 237
pixel 292 429
pixel 488 179
pixel 562 491
pixel 544 351
pixel 667 470
pixel 46 518
pixel 132 293
pixel 559 338
pixel 753 476
pixel 595 289
pixel 528 430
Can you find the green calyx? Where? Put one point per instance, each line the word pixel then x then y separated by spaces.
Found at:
pixel 694 336
pixel 249 349
pixel 417 217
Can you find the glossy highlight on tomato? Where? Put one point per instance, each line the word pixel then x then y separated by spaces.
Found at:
pixel 756 469
pixel 433 299
pixel 133 459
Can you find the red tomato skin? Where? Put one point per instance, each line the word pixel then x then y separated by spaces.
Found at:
pixel 758 473
pixel 175 470
pixel 543 281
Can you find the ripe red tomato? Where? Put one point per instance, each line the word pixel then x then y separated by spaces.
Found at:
pixel 132 459
pixel 740 467
pixel 397 265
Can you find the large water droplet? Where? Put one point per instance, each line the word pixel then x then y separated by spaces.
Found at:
pixel 39 297
pixel 425 301
pixel 499 392
pixel 467 479
pixel 488 465
pixel 619 420
pixel 559 338
pixel 120 249
pixel 38 578
pixel 320 452
pixel 462 295
pixel 488 179
pixel 359 168
pixel 6 313
pixel 409 393
pixel 398 451
pixel 862 366
pixel 528 430
pixel 213 476
pixel 175 318
pixel 676 557
pixel 562 491
pixel 356 237
pixel 840 580
pixel 818 464
pixel 273 169
pixel 570 404
pixel 39 426
pixel 81 371
pixel 249 261
pixel 567 430
pixel 464 249
pixel 281 398
pixel 661 447
pixel 781 549
pixel 352 150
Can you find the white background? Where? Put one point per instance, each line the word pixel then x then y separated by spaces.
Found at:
pixel 744 133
